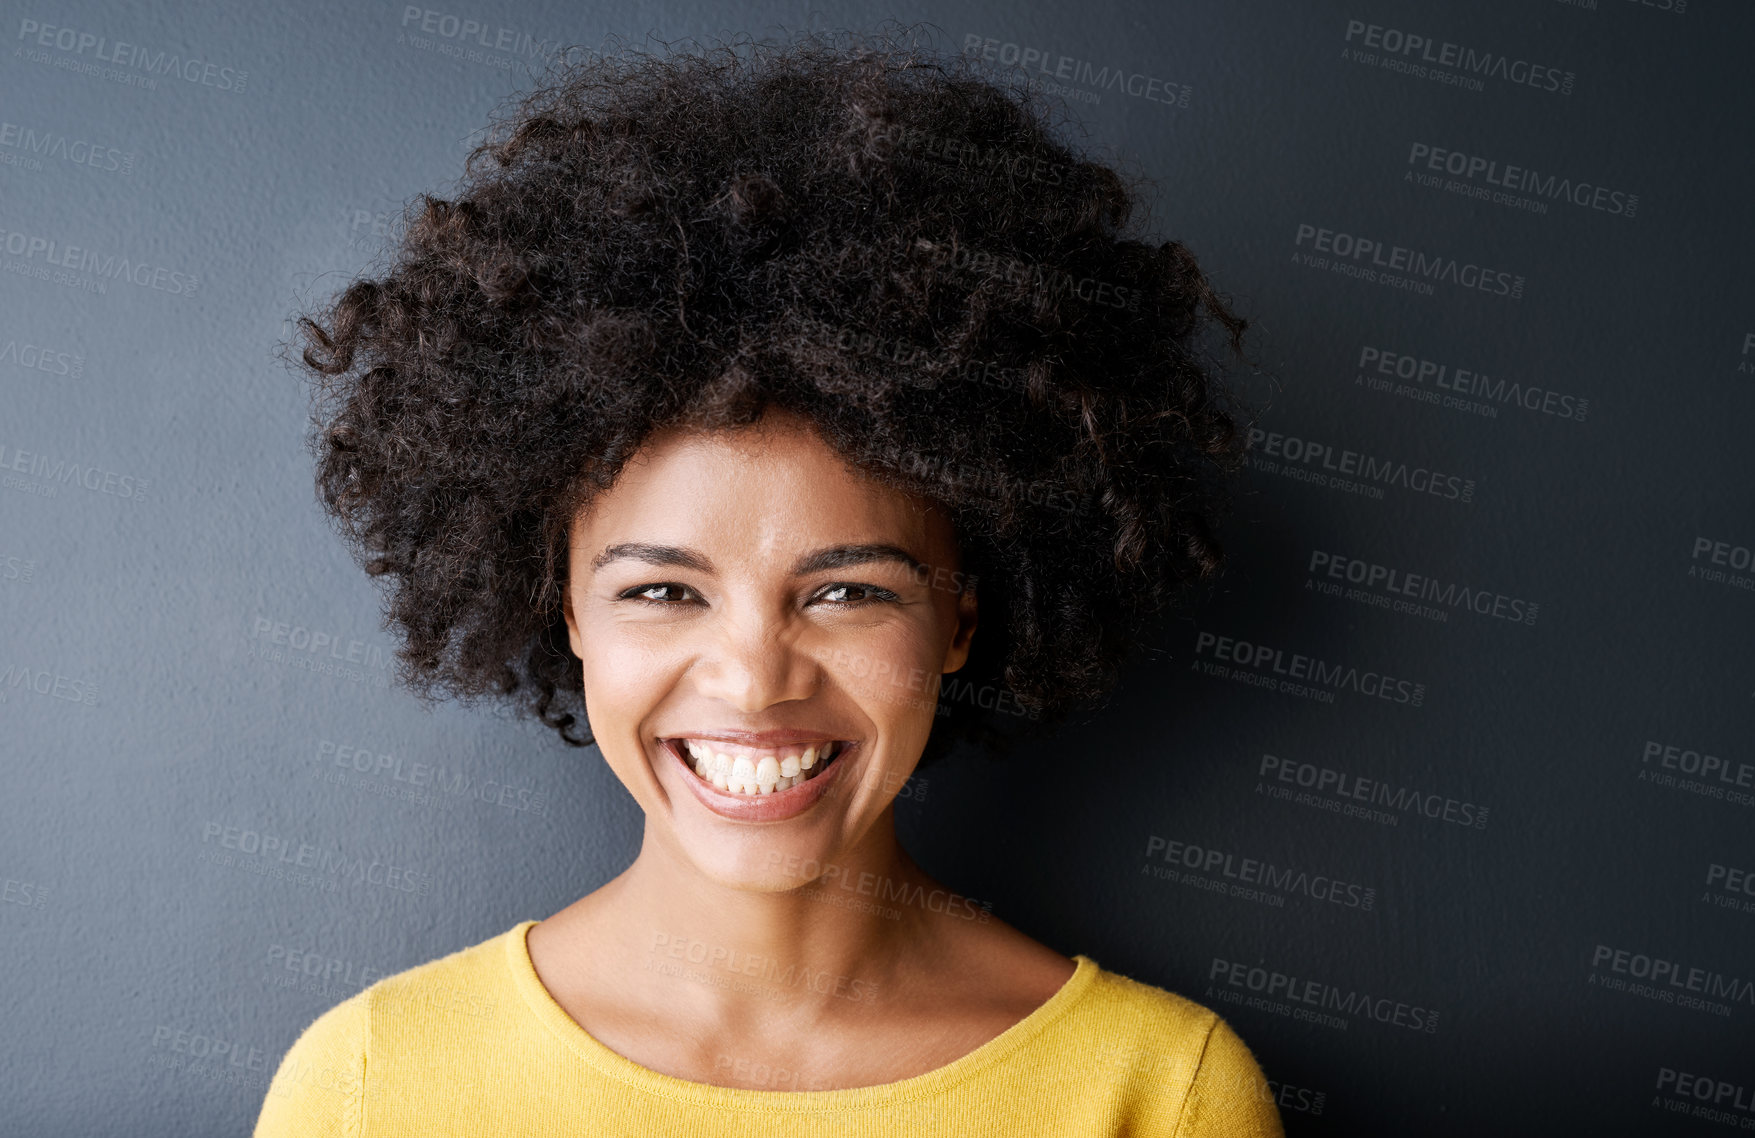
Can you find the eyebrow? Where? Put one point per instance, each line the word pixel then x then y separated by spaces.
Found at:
pixel 829 557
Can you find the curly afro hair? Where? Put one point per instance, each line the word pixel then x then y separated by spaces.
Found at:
pixel 895 245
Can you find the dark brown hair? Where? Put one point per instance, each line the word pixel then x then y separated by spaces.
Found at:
pixel 896 246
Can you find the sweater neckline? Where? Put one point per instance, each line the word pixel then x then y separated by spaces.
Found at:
pixel 617 1066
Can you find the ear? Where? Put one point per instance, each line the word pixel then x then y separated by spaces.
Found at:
pixel 957 654
pixel 573 638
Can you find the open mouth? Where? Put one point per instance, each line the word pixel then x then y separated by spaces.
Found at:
pixel 755 772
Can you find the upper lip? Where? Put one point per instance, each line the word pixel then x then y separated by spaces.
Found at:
pixel 779 737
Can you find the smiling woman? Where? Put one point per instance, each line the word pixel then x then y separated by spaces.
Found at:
pixel 761 618
pixel 591 431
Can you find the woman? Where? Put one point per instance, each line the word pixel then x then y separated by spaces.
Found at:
pixel 713 410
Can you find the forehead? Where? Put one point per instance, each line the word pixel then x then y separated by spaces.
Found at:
pixel 770 489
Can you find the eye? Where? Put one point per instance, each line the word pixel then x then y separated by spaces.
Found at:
pixel 649 594
pixel 846 594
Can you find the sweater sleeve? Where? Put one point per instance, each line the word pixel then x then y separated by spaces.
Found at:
pixel 1229 1097
pixel 319 1089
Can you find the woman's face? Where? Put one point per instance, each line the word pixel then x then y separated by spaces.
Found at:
pixel 740 600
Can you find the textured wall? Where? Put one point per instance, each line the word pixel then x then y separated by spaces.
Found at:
pixel 1446 800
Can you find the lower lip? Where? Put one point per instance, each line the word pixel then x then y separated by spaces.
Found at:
pixel 775 807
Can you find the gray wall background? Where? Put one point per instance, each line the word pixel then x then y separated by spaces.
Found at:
pixel 186 653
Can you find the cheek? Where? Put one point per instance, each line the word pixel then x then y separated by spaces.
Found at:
pixel 622 670
pixel 891 675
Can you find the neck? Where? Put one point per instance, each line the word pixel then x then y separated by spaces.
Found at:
pixel 798 954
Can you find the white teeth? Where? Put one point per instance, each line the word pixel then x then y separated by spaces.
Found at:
pixel 756 773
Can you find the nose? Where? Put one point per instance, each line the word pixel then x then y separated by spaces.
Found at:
pixel 754 661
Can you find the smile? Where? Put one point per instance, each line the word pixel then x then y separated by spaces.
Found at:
pixel 755 771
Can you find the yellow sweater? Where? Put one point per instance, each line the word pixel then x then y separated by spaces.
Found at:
pixel 473 1044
